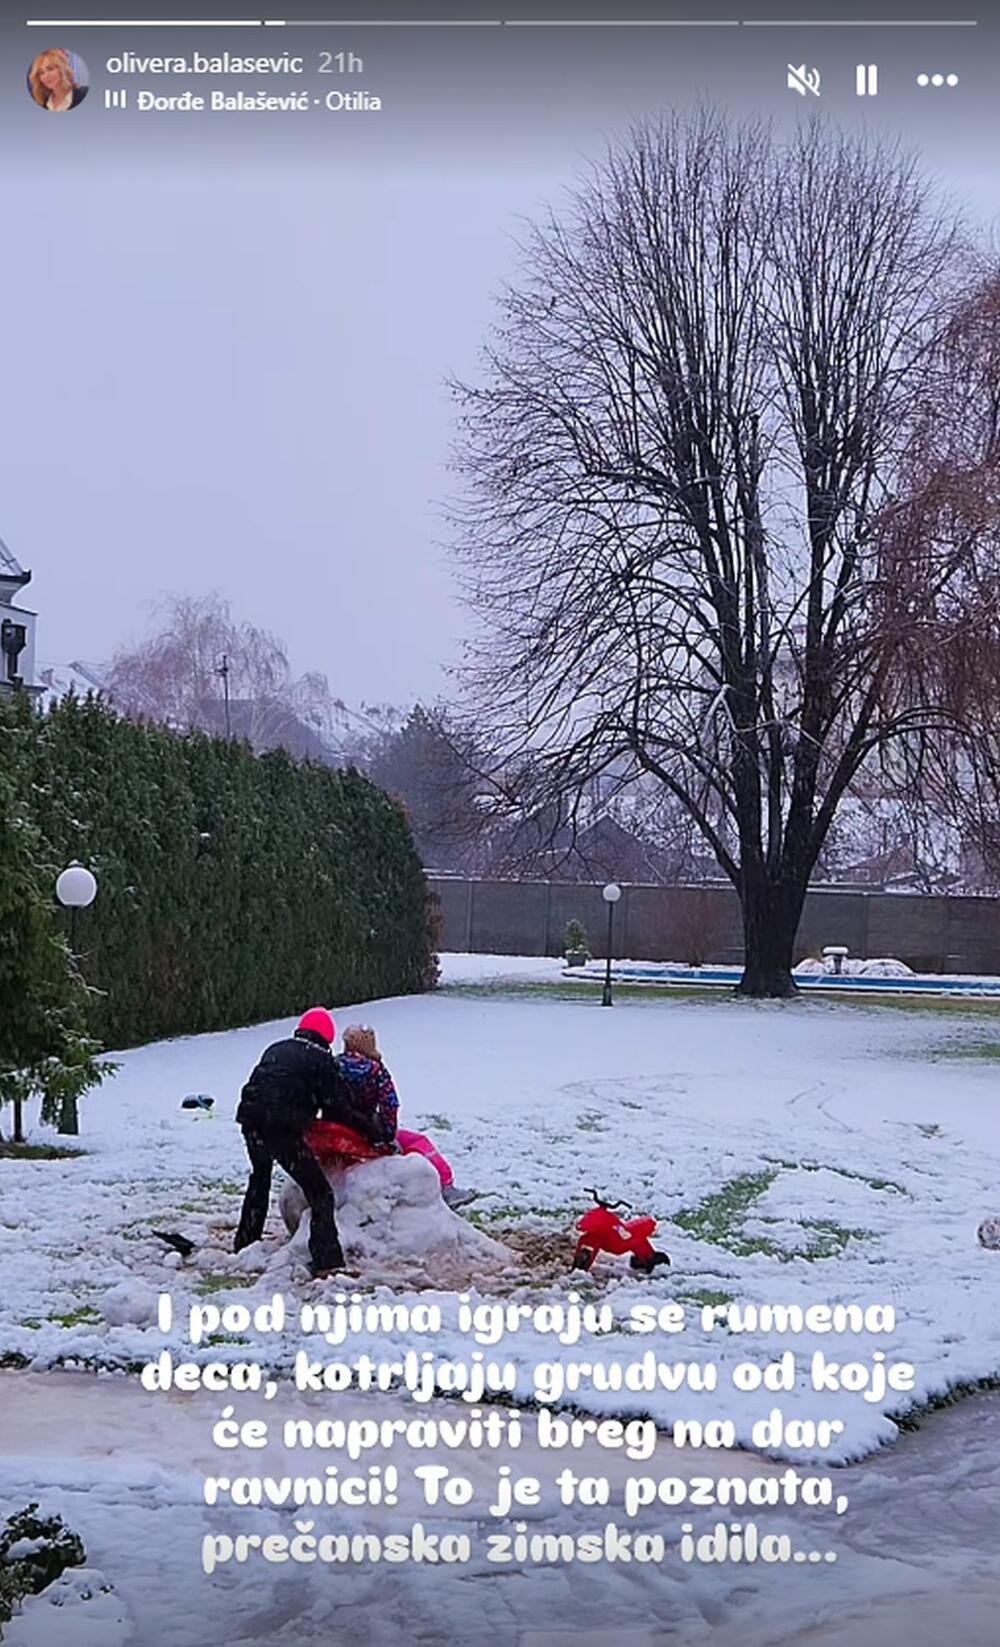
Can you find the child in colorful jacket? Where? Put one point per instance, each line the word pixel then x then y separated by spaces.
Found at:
pixel 372 1105
pixel 372 1108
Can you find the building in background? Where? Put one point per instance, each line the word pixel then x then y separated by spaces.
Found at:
pixel 57 680
pixel 17 629
pixel 263 725
pixel 268 725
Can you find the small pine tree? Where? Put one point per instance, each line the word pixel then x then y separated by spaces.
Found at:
pixel 44 1046
pixel 35 1550
pixel 575 938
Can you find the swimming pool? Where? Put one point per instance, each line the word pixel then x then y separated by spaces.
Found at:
pixel 669 972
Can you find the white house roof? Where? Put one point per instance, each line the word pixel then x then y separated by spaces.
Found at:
pixel 58 679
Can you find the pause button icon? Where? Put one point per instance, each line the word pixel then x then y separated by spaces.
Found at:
pixel 867 79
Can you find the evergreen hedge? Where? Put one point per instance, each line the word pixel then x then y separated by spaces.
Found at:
pixel 45 1047
pixel 233 887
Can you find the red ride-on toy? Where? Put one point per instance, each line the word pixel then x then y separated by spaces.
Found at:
pixel 601 1230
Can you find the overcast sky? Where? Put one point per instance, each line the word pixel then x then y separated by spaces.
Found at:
pixel 225 338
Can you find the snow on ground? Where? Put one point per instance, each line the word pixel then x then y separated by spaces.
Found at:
pixel 475 969
pixel 81 1609
pixel 917 1544
pixel 806 1151
pixel 795 1153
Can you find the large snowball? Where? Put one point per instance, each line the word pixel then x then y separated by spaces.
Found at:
pixel 130 1303
pixel 394 1224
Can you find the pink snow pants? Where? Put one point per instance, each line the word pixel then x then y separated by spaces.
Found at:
pixel 414 1143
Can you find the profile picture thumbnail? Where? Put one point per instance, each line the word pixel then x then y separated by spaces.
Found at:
pixel 58 80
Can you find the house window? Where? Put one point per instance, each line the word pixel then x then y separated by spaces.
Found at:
pixel 13 640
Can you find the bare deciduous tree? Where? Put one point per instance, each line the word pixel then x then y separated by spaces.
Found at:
pixel 174 676
pixel 956 768
pixel 688 524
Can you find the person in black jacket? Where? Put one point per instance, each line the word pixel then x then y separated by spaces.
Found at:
pixel 293 1082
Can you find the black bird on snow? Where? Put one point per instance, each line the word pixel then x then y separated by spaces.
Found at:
pixel 180 1243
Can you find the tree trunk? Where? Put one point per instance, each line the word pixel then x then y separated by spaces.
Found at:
pixel 18 1122
pixel 771 915
pixel 69 1118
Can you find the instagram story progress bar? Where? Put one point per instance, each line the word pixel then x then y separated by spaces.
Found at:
pixel 501 23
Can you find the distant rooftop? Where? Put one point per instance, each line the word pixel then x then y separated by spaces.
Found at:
pixel 11 567
pixel 57 679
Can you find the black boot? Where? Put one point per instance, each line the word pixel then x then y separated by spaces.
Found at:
pixel 333 1260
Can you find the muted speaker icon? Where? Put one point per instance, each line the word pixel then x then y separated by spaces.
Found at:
pixel 802 79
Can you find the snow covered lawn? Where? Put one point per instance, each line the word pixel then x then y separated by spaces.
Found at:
pixel 794 1153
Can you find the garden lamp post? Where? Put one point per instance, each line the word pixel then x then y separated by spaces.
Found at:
pixel 611 894
pixel 76 889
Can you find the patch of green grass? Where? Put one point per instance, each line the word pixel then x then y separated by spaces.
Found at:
pixel 441 1123
pixel 720 1217
pixel 842 1172
pixel 986 1052
pixel 83 1317
pixel 216 1281
pixel 591 1121
pixel 717 1217
pixel 981 1006
pixel 10 1151
pixel 217 1338
pixel 830 1238
pixel 208 1188
pixel 13 1361
pixel 930 1129
pixel 509 1214
pixel 704 1296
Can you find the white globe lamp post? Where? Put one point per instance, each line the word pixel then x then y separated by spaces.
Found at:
pixel 76 889
pixel 611 894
